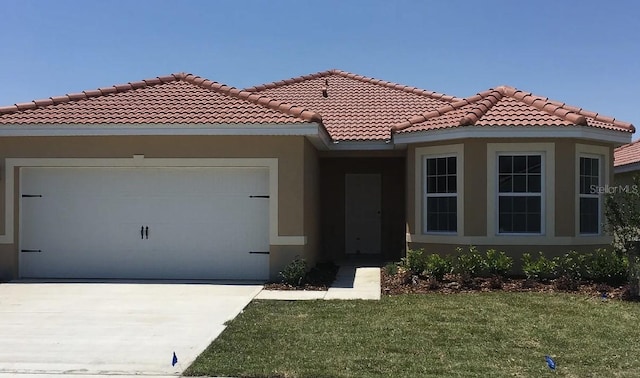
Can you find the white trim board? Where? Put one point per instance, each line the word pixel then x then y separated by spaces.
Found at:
pixel 508 240
pixel 155 129
pixel 141 161
pixel 463 132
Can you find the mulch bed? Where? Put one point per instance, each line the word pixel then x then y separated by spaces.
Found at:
pixel 318 278
pixel 405 283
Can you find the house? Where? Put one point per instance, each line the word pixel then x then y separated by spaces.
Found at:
pixel 626 163
pixel 180 177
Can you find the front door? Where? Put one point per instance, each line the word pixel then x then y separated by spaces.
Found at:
pixel 362 213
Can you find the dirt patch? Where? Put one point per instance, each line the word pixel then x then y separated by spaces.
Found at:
pixel 405 283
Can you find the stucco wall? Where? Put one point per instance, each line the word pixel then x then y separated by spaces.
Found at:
pixel 290 151
pixel 475 193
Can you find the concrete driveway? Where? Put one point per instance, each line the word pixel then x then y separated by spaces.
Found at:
pixel 112 328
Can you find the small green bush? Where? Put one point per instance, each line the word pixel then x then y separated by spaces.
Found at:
pixel 497 263
pixel 541 268
pixel 416 261
pixel 468 263
pixel 607 266
pixel 436 266
pixel 572 266
pixel 391 269
pixel 295 272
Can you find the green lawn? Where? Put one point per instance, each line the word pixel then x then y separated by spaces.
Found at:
pixel 488 334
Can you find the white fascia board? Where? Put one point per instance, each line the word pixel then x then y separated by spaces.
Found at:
pixel 305 129
pixel 627 168
pixel 463 132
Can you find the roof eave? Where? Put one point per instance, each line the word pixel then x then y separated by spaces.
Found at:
pixel 43 130
pixel 629 167
pixel 451 133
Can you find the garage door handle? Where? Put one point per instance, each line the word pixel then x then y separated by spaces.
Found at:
pixel 146 232
pixel 142 232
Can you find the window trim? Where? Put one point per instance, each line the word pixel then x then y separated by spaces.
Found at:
pixel 421 153
pixel 547 219
pixel 520 194
pixel 604 154
pixel 425 195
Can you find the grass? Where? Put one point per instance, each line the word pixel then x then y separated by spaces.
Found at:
pixel 484 334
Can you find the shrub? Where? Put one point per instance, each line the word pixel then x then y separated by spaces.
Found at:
pixel 572 266
pixel 469 263
pixel 607 266
pixel 497 263
pixel 295 272
pixel 415 261
pixel 541 268
pixel 436 266
pixel 391 269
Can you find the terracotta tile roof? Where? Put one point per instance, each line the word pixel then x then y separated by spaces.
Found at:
pixel 355 107
pixel 175 99
pixel 508 106
pixel 627 154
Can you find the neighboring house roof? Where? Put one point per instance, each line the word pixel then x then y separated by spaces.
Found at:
pixel 355 107
pixel 508 106
pixel 175 99
pixel 627 154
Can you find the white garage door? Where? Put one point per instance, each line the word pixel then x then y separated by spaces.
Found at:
pixel 144 223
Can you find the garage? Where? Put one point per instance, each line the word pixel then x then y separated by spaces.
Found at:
pixel 144 223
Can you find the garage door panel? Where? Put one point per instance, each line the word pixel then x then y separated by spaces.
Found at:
pixel 202 223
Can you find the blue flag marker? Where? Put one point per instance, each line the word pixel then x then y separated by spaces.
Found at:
pixel 174 360
pixel 550 362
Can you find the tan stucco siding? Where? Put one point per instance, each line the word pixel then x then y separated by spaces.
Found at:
pixel 561 195
pixel 475 188
pixel 289 150
pixel 565 152
pixel 311 203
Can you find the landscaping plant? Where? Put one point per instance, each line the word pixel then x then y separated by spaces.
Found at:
pixel 295 272
pixel 622 210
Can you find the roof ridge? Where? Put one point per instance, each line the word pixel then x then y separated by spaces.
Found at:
pixel 544 104
pixel 84 95
pixel 292 110
pixel 485 100
pixel 293 80
pixel 281 106
pixel 364 79
pixel 396 86
pixel 470 118
pixel 558 108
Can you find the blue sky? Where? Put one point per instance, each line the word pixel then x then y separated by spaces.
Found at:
pixel 585 53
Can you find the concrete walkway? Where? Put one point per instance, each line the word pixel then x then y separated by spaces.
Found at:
pixel 351 282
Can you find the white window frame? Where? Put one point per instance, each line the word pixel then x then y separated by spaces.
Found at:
pixel 426 195
pixel 547 219
pixel 606 155
pixel 589 195
pixel 521 194
pixel 418 179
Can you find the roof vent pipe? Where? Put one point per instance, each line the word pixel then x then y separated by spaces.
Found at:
pixel 325 92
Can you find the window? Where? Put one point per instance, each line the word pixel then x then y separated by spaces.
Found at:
pixel 589 198
pixel 520 194
pixel 441 194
